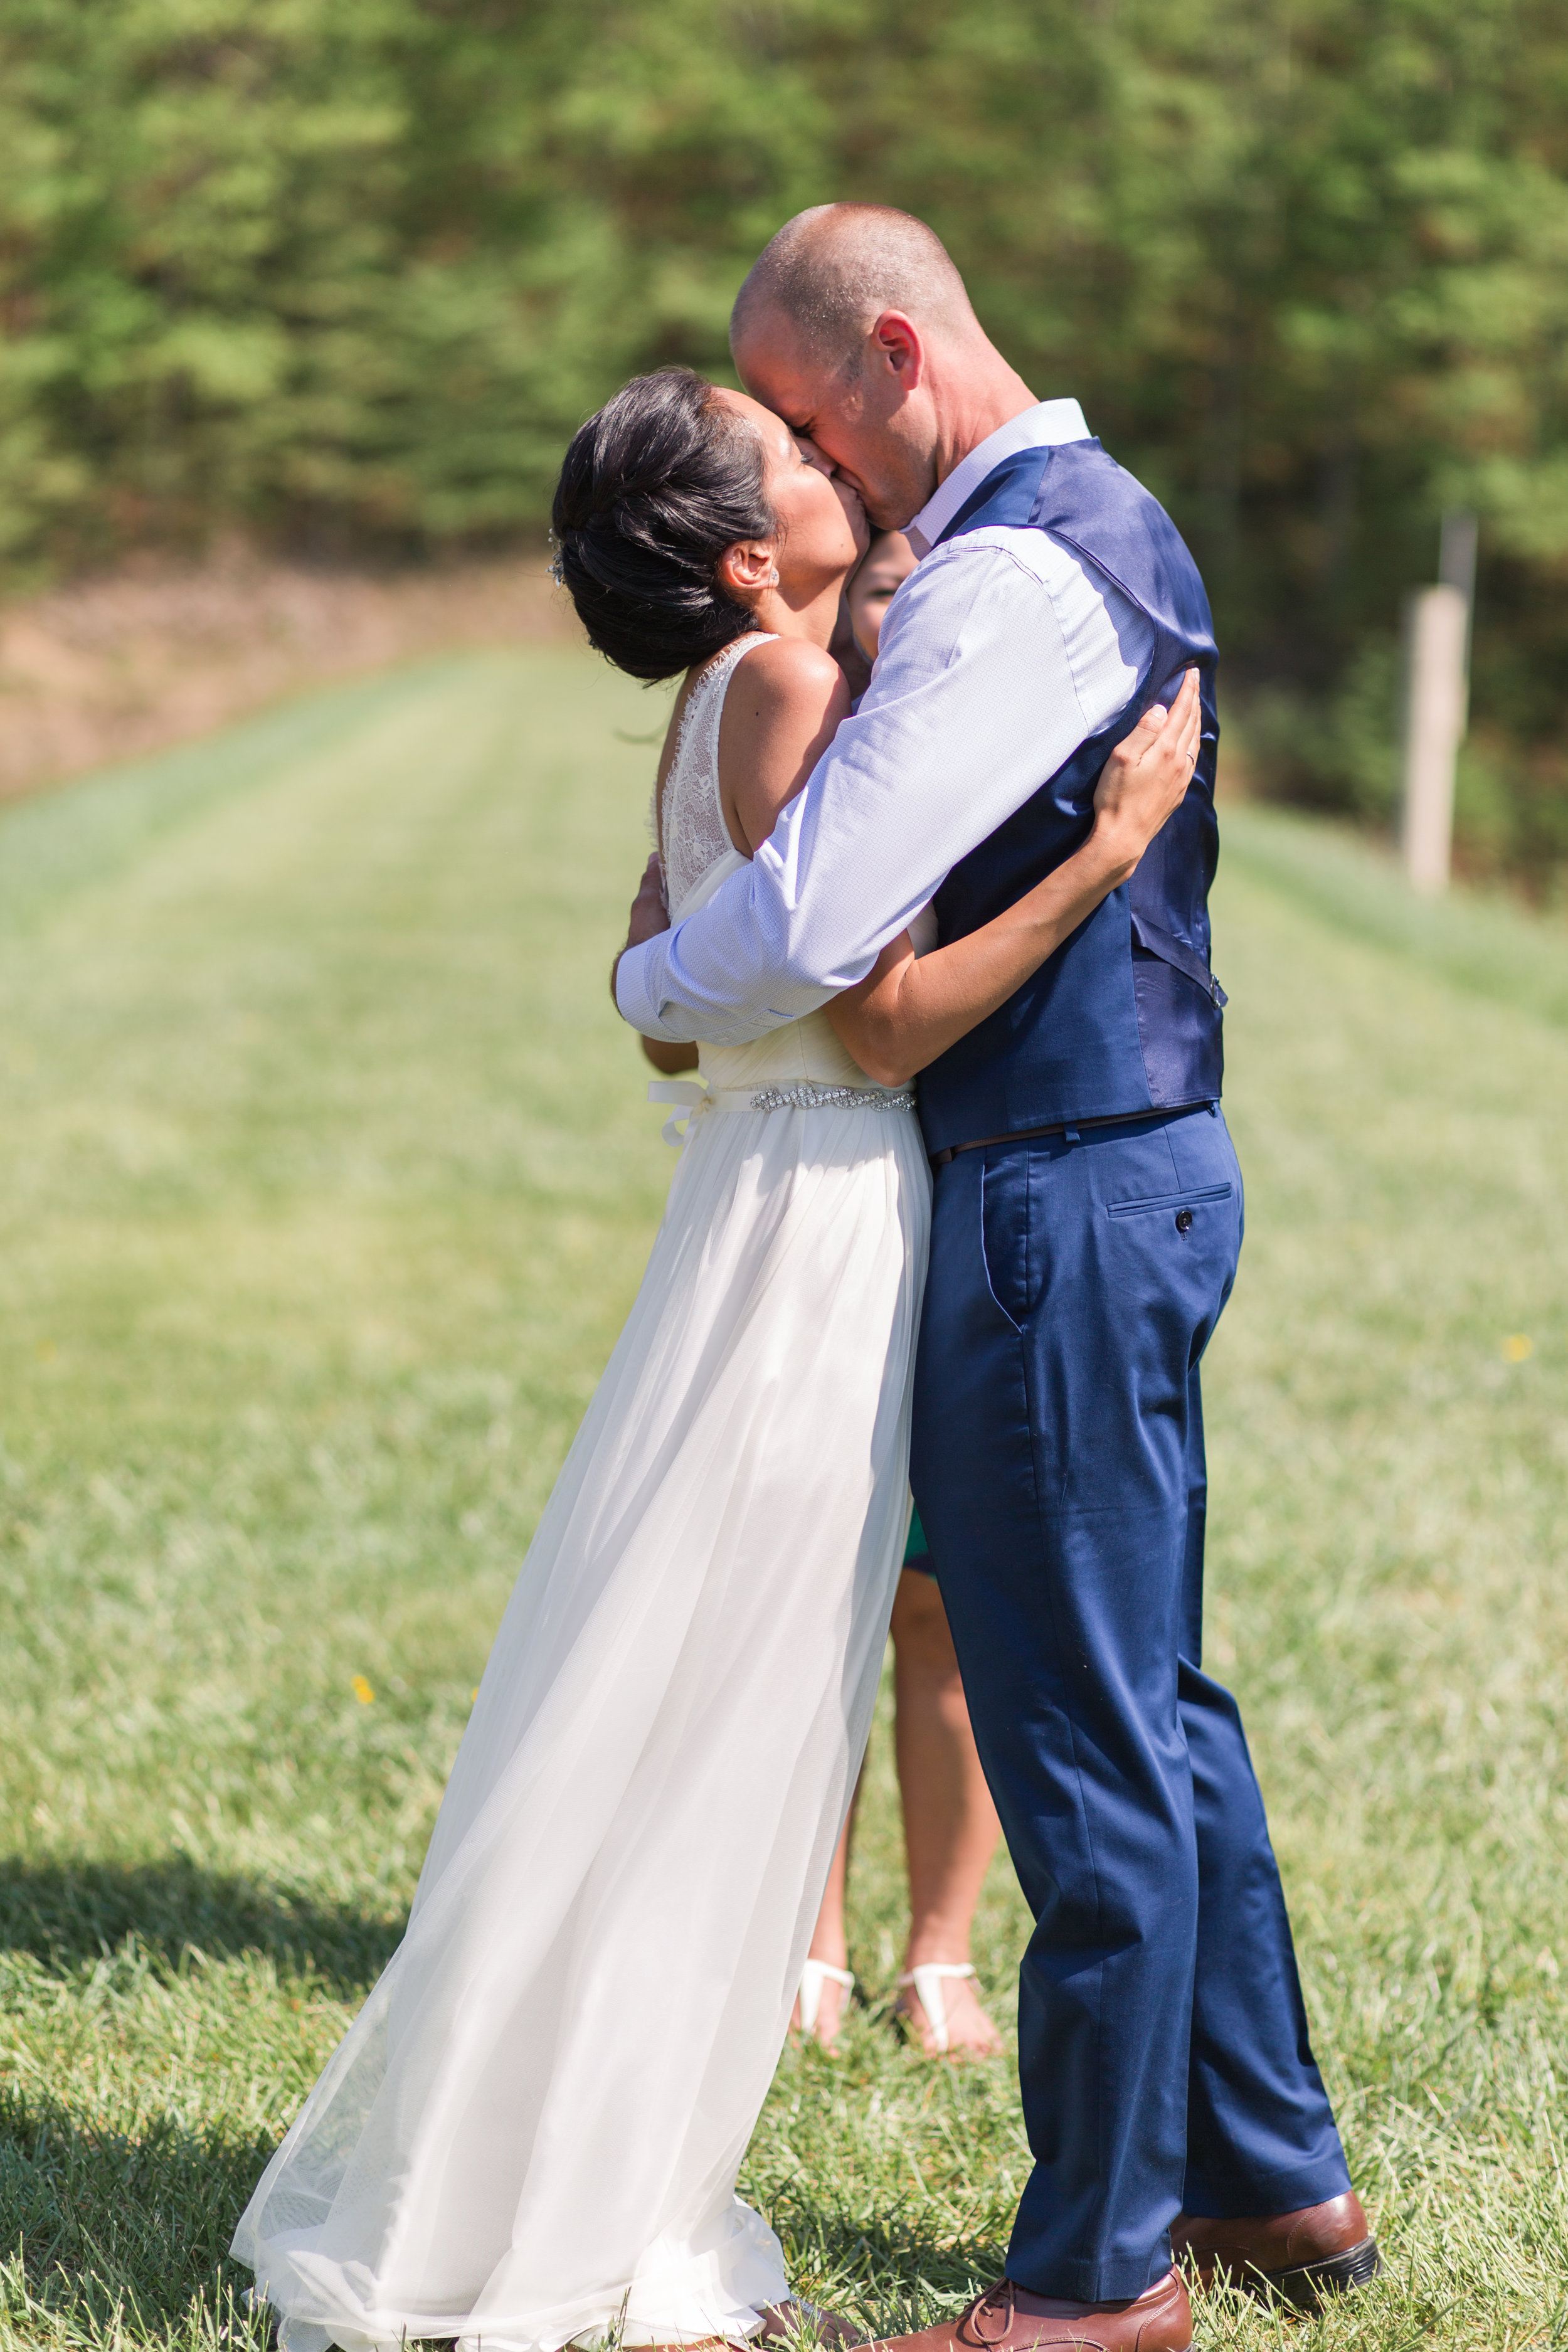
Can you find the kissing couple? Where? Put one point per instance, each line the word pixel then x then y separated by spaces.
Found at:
pixel 993 874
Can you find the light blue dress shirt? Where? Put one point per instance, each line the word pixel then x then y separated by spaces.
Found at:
pixel 1000 655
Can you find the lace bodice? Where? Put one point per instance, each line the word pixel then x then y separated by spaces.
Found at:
pixel 695 833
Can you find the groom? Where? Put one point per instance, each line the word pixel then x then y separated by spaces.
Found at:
pixel 1085 1224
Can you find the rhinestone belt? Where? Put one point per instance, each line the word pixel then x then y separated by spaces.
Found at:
pixel 809 1097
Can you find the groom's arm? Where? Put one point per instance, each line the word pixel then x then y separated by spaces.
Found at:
pixel 999 655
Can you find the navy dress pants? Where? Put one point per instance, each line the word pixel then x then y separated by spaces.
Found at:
pixel 1058 1468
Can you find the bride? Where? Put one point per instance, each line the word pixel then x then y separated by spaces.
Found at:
pixel 532 2132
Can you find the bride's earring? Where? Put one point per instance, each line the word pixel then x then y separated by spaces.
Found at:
pixel 774 577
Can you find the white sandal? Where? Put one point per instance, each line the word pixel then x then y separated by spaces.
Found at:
pixel 927 1980
pixel 813 1976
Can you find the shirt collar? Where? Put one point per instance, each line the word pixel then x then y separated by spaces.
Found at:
pixel 1053 421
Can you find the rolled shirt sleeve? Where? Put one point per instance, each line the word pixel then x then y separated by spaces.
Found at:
pixel 999 653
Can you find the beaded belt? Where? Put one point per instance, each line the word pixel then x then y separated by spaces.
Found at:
pixel 810 1097
pixel 696 1100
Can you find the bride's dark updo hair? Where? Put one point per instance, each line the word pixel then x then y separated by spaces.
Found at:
pixel 654 488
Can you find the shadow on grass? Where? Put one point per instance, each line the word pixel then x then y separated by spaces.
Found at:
pixel 892 2279
pixel 120 2234
pixel 69 1914
pixel 123 2236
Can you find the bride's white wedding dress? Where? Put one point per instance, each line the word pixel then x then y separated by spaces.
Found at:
pixel 533 2130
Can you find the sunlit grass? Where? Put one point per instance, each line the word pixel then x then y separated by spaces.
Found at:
pixel 328 1178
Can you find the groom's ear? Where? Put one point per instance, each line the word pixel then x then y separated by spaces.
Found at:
pixel 896 347
pixel 745 569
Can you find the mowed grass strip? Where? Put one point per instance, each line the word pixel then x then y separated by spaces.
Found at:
pixel 328 1179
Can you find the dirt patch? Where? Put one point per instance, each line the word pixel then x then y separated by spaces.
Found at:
pixel 158 653
pixel 155 653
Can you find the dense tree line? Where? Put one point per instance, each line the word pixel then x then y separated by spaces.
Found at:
pixel 347 272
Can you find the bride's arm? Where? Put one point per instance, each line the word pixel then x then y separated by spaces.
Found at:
pixel 670 1059
pixel 649 915
pixel 908 1010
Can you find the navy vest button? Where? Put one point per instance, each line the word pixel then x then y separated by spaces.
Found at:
pixel 1184 1221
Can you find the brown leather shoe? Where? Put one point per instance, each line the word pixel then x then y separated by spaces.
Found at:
pixel 1317 2251
pixel 1009 2318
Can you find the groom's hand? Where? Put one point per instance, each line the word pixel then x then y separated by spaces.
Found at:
pixel 649 915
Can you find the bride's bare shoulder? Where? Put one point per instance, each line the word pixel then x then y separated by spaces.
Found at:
pixel 788 674
pixel 786 696
pixel 784 702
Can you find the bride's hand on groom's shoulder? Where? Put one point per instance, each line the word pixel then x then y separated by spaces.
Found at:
pixel 649 914
pixel 1145 779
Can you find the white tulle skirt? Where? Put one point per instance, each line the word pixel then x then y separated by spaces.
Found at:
pixel 533 2131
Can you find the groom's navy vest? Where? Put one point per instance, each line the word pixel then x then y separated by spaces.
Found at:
pixel 1125 1017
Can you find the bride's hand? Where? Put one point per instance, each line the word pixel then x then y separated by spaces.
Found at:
pixel 1145 779
pixel 910 1009
pixel 649 914
pixel 650 910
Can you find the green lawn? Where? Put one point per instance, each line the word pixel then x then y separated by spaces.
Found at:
pixel 328 1178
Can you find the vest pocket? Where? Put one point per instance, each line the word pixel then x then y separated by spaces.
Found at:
pixel 1155 941
pixel 1169 1200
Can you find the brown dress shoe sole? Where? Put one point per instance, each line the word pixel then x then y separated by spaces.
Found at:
pixel 1307 2285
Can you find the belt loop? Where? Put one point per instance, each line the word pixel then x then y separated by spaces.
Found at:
pixel 1070 1135
pixel 1214 1108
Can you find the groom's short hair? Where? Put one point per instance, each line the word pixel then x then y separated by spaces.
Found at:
pixel 832 270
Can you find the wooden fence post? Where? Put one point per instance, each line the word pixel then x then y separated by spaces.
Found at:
pixel 1457 569
pixel 1436 621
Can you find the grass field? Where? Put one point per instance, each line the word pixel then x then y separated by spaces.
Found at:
pixel 327 1180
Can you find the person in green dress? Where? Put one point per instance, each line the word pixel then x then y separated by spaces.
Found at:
pixel 950 1834
pixel 950 1823
pixel 950 1827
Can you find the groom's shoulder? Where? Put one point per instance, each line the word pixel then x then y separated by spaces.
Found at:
pixel 998 555
pixel 994 581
